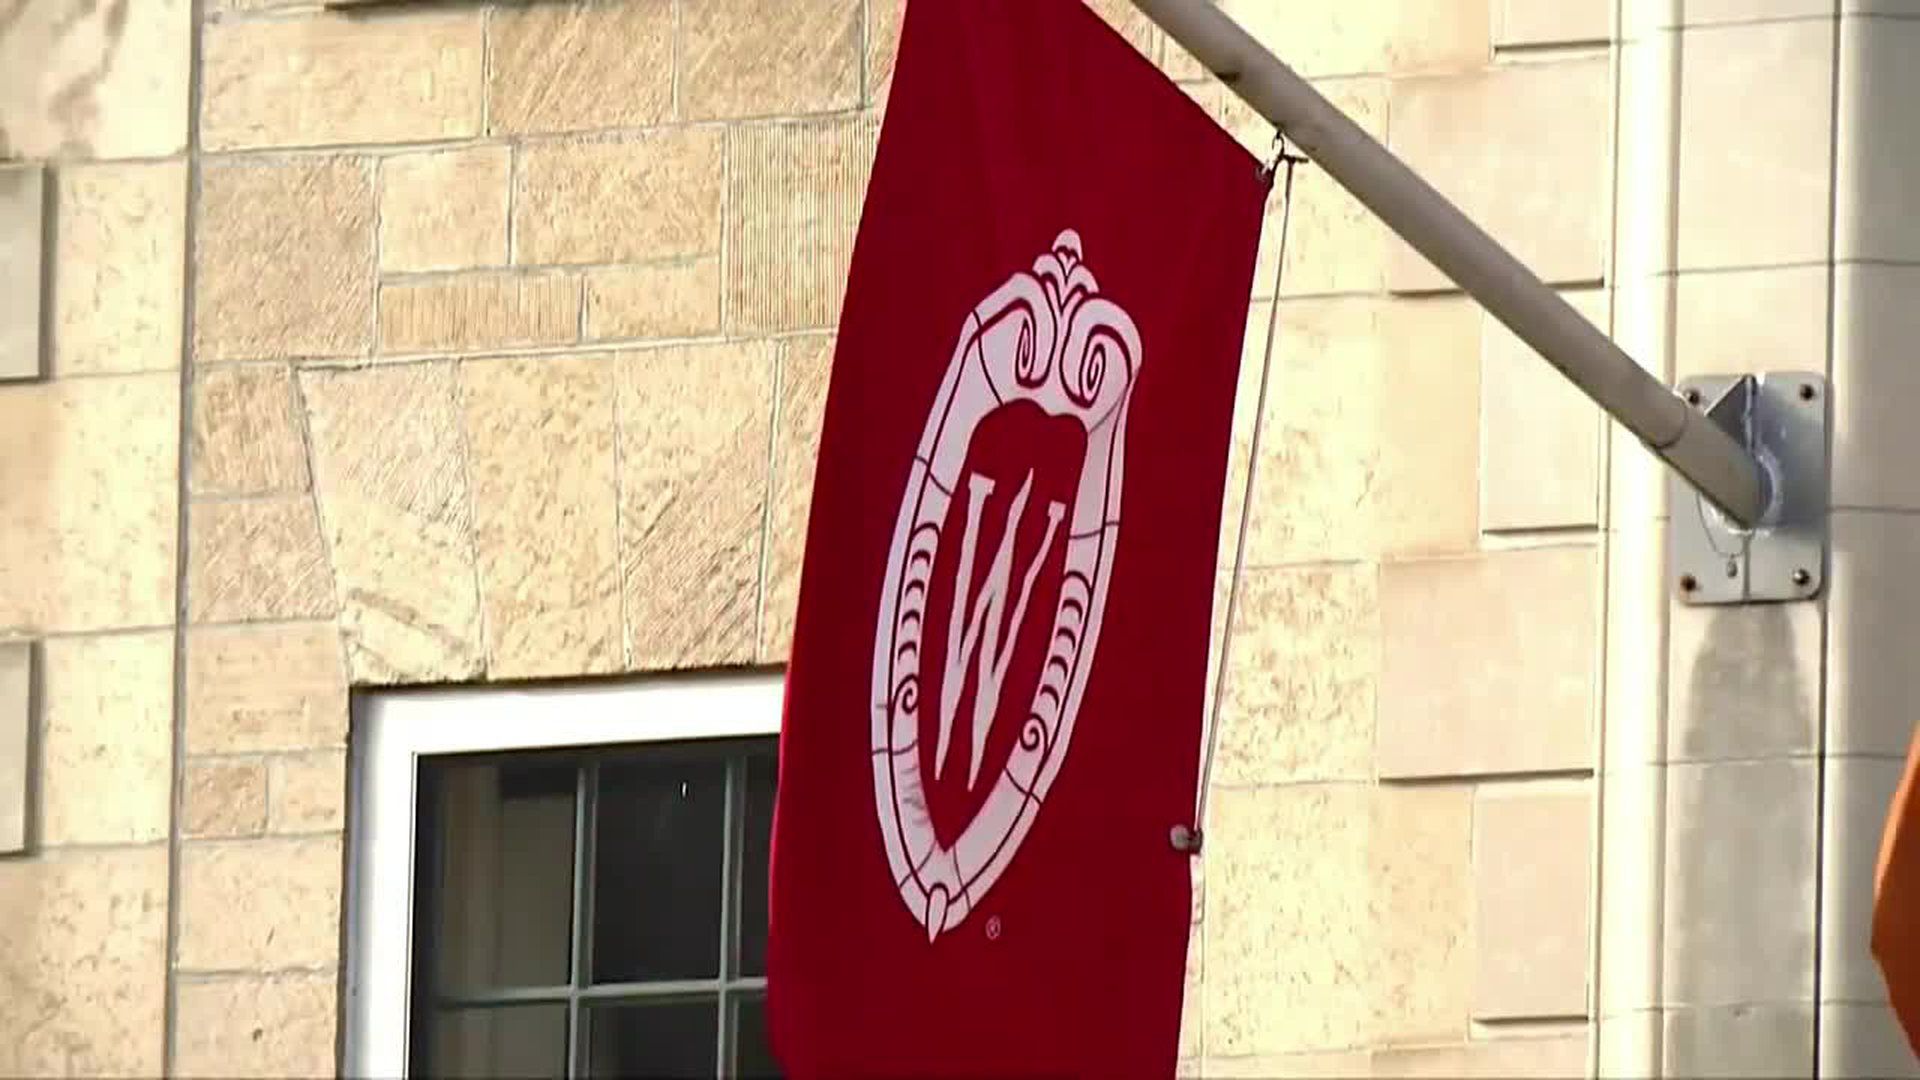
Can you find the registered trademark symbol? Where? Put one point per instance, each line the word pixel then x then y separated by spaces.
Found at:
pixel 993 928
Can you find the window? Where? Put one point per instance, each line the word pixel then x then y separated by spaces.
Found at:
pixel 566 881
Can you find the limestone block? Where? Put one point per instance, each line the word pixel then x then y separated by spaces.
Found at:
pixel 444 209
pixel 261 688
pixel 652 196
pixel 321 79
pixel 693 467
pixel 1303 668
pixel 89 469
pixel 106 738
pixel 1426 495
pixel 1875 320
pixel 1421 851
pixel 795 194
pixel 1865 1041
pixel 805 367
pixel 1742 878
pixel 1877 143
pixel 284 259
pixel 224 797
pixel 1748 194
pixel 1522 149
pixel 1288 941
pixel 883 48
pixel 255 560
pixel 394 503
pixel 674 299
pixel 769 57
pixel 1731 1041
pixel 1707 12
pixel 1871 593
pixel 1360 37
pixel 119 267
pixel 1539 435
pixel 1716 331
pixel 1857 795
pixel 22 269
pixel 540 433
pixel 1558 1056
pixel 484 310
pixel 1743 681
pixel 246 432
pixel 1487 663
pixel 260 904
pixel 18 665
pixel 259 1025
pixel 307 792
pixel 1336 1065
pixel 95 80
pixel 84 973
pixel 580 64
pixel 1551 22
pixel 1532 875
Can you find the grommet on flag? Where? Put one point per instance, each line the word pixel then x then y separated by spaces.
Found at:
pixel 1185 838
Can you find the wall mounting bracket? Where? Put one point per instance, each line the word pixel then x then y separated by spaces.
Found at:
pixel 1781 419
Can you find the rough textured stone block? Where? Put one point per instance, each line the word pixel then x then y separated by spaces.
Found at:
pixel 794 201
pixel 258 559
pixel 284 260
pixel 89 468
pixel 84 973
pixel 1320 451
pixel 1727 217
pixel 1563 1057
pixel 17 724
pixel 1735 1041
pixel 1523 151
pixel 1532 872
pixel 1302 672
pixel 22 266
pixel 1539 435
pixel 224 797
pixel 883 48
pixel 264 1026
pixel 252 689
pixel 1488 663
pixel 1871 594
pixel 1877 141
pixel 394 503
pixel 581 64
pixel 260 904
pixel 323 79
pixel 1288 927
pixel 1421 851
pixel 106 739
pixel 1427 492
pixel 1742 878
pixel 769 57
pixel 444 209
pixel 805 367
pixel 655 196
pixel 693 445
pixel 540 433
pixel 119 270
pixel 1550 22
pixel 246 432
pixel 95 80
pixel 307 792
pixel 1858 793
pixel 1875 320
pixel 659 300
pixel 479 311
pixel 1742 682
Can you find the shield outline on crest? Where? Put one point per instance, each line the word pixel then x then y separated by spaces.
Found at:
pixel 1049 337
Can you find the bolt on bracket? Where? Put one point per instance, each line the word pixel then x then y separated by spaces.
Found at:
pixel 1781 418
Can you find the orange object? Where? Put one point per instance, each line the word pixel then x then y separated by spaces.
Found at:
pixel 1896 900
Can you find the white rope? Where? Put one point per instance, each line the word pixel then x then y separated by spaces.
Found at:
pixel 1246 512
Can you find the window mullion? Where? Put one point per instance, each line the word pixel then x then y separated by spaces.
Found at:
pixel 732 841
pixel 586 788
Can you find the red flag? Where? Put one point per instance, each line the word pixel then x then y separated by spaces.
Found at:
pixel 994 701
pixel 1896 900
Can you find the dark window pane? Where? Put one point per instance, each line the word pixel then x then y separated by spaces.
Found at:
pixel 752 1053
pixel 753 863
pixel 517 1041
pixel 504 893
pixel 658 849
pixel 671 1039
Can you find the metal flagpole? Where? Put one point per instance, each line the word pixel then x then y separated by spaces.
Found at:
pixel 1717 465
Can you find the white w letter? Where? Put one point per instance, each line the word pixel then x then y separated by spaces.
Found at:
pixel 970 627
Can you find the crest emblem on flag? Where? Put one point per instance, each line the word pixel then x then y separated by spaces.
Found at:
pixel 996 579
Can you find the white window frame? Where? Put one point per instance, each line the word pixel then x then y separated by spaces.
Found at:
pixel 394 729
